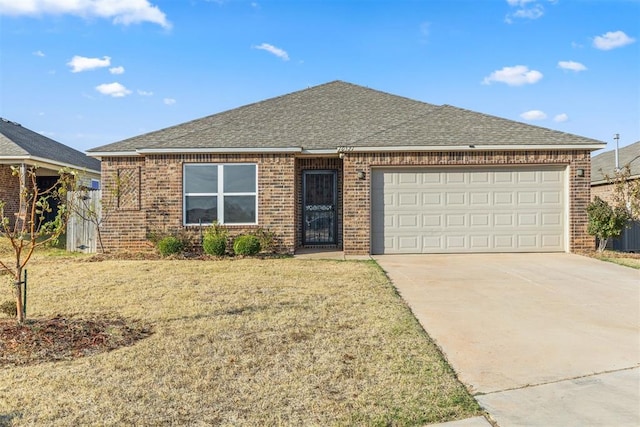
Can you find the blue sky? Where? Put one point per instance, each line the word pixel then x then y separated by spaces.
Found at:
pixel 91 72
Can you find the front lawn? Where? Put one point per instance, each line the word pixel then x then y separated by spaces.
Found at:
pixel 626 259
pixel 234 342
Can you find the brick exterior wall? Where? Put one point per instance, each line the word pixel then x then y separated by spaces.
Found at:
pixel 150 196
pixel 9 192
pixel 604 191
pixel 357 201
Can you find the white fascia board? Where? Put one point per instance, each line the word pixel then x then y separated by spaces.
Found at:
pixel 218 150
pixel 44 163
pixel 321 152
pixel 470 147
pixel 101 154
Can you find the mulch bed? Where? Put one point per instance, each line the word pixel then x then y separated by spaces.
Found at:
pixel 47 340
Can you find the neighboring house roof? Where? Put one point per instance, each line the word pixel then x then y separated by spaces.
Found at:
pixel 21 144
pixel 605 163
pixel 342 116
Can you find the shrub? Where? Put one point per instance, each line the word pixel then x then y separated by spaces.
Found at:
pixel 246 245
pixel 9 308
pixel 605 221
pixel 214 241
pixel 214 245
pixel 170 245
pixel 266 238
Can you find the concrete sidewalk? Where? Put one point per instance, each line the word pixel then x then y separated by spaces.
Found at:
pixel 539 339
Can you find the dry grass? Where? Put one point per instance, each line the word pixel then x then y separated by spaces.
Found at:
pixel 626 259
pixel 236 342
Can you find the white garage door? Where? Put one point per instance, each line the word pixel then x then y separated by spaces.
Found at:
pixel 515 209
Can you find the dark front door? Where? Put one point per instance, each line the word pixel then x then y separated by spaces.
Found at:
pixel 319 215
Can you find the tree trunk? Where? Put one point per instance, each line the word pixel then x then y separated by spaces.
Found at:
pixel 17 292
pixel 602 244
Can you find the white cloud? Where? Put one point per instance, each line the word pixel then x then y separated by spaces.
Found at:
pixel 144 93
pixel 117 70
pixel 571 65
pixel 113 89
pixel 81 63
pixel 39 53
pixel 274 50
pixel 526 9
pixel 519 3
pixel 123 12
pixel 514 76
pixel 534 12
pixel 559 118
pixel 612 40
pixel 534 115
pixel 169 101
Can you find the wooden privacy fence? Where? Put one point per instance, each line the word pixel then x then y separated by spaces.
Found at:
pixel 82 233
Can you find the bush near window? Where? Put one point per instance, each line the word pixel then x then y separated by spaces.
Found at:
pixel 266 238
pixel 214 245
pixel 170 245
pixel 246 245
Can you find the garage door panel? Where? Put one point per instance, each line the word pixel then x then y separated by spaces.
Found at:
pixel 511 209
pixel 432 220
pixel 503 220
pixel 408 221
pixel 408 199
pixel 456 220
pixel 455 198
pixel 528 219
pixel 480 199
pixel 455 178
pixel 480 220
pixel 528 241
pixel 431 199
pixel 527 177
pixel 504 242
pixel 481 242
pixel 503 198
pixel 479 177
pixel 409 243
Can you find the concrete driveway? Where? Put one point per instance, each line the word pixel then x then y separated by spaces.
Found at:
pixel 540 339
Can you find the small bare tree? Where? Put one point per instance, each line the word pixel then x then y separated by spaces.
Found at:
pixel 29 229
pixel 79 204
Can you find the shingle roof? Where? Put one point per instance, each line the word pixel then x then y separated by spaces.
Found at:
pixel 340 114
pixel 605 163
pixel 17 141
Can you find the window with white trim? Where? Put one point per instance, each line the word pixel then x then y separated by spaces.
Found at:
pixel 226 193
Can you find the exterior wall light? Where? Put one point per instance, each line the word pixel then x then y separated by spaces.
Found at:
pixel 580 172
pixel 361 175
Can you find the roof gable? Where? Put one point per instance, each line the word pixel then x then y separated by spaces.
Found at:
pixel 17 141
pixel 340 114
